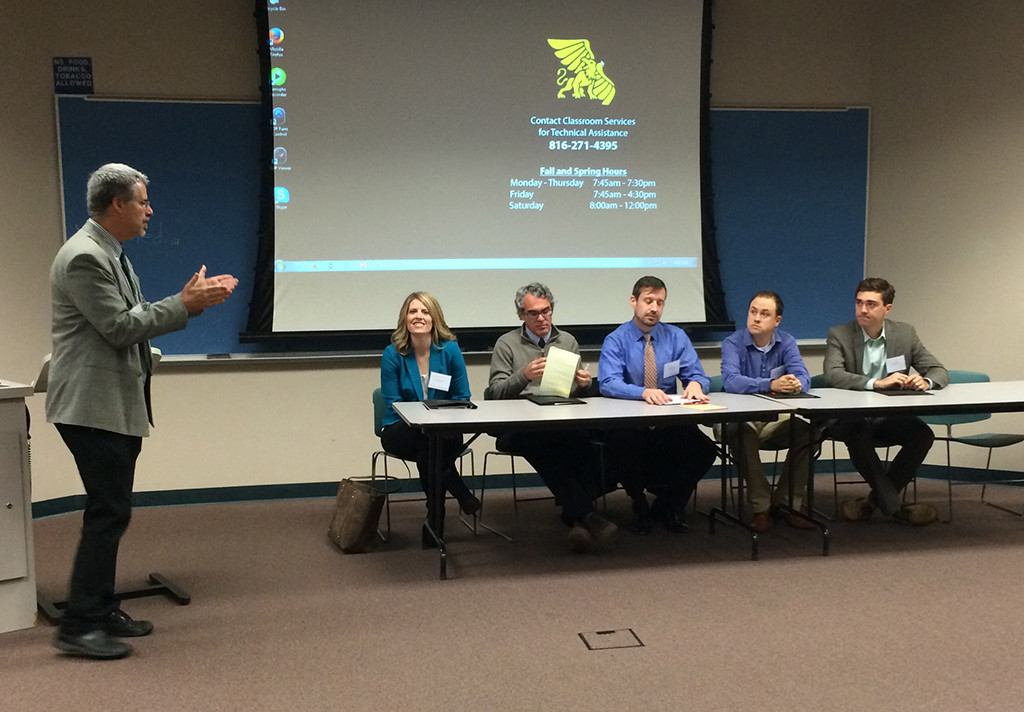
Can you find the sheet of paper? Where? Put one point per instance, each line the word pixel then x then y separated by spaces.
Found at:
pixel 559 372
pixel 676 399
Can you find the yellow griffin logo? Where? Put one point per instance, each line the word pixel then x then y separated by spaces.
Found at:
pixel 581 70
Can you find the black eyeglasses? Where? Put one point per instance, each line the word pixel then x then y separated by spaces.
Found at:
pixel 537 313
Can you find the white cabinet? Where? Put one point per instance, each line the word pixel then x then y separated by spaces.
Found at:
pixel 17 569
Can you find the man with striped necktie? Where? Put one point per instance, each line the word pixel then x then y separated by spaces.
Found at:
pixel 643 360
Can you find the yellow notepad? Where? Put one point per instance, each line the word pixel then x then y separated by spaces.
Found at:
pixel 703 406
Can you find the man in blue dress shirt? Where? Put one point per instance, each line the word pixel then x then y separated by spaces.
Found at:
pixel 642 360
pixel 758 359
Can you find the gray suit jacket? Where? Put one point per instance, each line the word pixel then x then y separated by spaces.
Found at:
pixel 96 372
pixel 844 355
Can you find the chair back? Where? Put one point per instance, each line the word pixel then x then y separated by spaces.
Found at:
pixel 960 419
pixel 818 381
pixel 378 412
pixel 716 384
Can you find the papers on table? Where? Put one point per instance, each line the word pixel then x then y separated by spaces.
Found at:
pixel 559 372
pixel 703 406
pixel 676 399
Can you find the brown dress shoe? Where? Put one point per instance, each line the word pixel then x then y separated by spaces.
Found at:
pixel 761 522
pixel 796 522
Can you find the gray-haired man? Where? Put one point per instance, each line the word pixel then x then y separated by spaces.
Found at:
pixel 98 395
pixel 565 460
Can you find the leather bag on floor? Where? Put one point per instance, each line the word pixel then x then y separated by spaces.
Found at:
pixel 356 513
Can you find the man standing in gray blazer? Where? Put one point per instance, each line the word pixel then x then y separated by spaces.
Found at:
pixel 98 395
pixel 873 352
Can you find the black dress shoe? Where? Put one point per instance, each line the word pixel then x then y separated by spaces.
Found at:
pixel 427 540
pixel 642 523
pixel 121 624
pixel 669 517
pixel 674 523
pixel 96 644
pixel 469 505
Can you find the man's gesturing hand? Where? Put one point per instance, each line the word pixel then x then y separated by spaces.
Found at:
pixel 202 291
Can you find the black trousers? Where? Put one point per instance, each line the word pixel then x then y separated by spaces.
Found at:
pixel 400 440
pixel 862 435
pixel 106 464
pixel 668 462
pixel 567 462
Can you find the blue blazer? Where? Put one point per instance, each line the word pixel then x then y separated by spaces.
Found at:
pixel 400 377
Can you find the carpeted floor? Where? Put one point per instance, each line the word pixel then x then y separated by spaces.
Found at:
pixel 896 618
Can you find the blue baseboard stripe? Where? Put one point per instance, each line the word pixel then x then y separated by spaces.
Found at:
pixel 316 490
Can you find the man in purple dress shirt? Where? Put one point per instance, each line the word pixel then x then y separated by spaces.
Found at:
pixel 759 359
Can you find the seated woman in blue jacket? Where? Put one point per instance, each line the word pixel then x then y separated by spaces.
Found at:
pixel 424 361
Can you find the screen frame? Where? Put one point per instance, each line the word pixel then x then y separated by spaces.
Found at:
pixel 259 326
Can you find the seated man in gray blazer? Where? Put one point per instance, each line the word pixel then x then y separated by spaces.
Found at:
pixel 98 394
pixel 873 352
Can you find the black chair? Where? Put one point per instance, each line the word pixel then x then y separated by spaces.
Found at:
pixel 383 456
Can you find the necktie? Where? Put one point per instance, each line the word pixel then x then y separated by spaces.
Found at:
pixel 540 342
pixel 650 365
pixel 145 355
pixel 129 276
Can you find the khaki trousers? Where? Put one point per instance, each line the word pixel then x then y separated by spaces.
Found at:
pixel 745 441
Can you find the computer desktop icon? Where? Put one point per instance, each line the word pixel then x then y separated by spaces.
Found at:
pixel 278 116
pixel 276 35
pixel 277 77
pixel 281 196
pixel 280 156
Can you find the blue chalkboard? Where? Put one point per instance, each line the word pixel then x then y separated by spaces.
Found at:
pixel 203 163
pixel 790 204
pixel 790 194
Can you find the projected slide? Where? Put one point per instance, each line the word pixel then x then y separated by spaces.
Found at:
pixel 467 148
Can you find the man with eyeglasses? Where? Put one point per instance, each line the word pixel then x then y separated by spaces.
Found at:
pixel 565 459
pixel 98 394
pixel 873 352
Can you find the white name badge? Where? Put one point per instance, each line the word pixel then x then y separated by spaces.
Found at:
pixel 439 381
pixel 896 363
pixel 777 372
pixel 671 369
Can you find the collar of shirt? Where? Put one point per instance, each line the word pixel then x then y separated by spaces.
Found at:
pixel 638 333
pixel 108 238
pixel 536 339
pixel 748 340
pixel 877 339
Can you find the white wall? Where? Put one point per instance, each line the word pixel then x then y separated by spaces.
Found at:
pixel 942 80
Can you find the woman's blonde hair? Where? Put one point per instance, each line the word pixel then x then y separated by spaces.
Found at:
pixel 439 330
